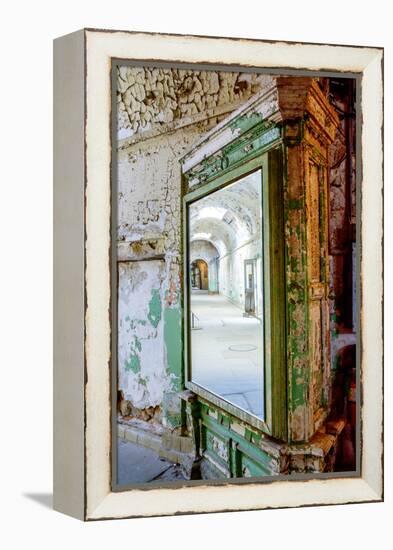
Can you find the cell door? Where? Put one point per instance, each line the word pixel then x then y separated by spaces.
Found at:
pixel 250 288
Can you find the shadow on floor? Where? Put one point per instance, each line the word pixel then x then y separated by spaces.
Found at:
pixel 45 499
pixel 137 464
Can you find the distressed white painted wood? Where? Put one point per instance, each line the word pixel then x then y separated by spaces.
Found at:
pixel 98 501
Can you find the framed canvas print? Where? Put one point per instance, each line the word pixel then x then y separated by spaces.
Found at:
pixel 218 274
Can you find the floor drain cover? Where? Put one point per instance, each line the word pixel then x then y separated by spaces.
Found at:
pixel 242 347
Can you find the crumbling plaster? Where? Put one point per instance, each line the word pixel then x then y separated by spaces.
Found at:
pixel 161 114
pixel 150 190
pixel 151 97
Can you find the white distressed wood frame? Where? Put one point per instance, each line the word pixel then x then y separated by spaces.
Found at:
pixel 82 439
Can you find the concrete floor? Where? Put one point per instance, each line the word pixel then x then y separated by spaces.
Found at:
pixel 137 464
pixel 237 376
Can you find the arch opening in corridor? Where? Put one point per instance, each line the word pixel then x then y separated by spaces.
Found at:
pixel 199 275
pixel 226 286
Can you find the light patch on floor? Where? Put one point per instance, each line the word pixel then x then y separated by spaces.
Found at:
pixel 237 376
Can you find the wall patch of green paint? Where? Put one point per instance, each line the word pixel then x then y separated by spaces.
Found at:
pixel 155 308
pixel 173 343
pixel 137 343
pixel 133 363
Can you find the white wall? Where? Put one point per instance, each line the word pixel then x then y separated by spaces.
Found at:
pixel 231 272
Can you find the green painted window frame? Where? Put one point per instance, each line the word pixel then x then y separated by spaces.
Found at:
pixel 275 390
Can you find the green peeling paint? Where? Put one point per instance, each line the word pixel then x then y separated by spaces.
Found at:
pixel 255 136
pixel 133 363
pixel 138 344
pixel 245 122
pixel 173 342
pixel 143 381
pixel 155 308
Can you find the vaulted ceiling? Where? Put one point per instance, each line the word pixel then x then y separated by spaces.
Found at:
pixel 229 217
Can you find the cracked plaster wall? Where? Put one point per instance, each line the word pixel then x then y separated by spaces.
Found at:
pixel 161 113
pixel 150 98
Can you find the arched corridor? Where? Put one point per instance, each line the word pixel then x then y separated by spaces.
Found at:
pixel 226 293
pixel 235 291
pixel 199 275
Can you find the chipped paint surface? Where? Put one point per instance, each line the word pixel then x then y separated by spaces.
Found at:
pixel 143 377
pixel 161 114
pixel 218 446
pixel 149 226
pixel 173 340
pixel 152 97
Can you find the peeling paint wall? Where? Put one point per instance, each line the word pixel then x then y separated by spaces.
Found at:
pixel 149 97
pixel 143 378
pixel 149 219
pixel 161 114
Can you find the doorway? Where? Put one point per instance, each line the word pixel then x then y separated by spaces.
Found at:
pixel 250 288
pixel 199 275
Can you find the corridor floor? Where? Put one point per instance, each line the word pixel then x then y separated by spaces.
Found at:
pixel 227 352
pixel 137 464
